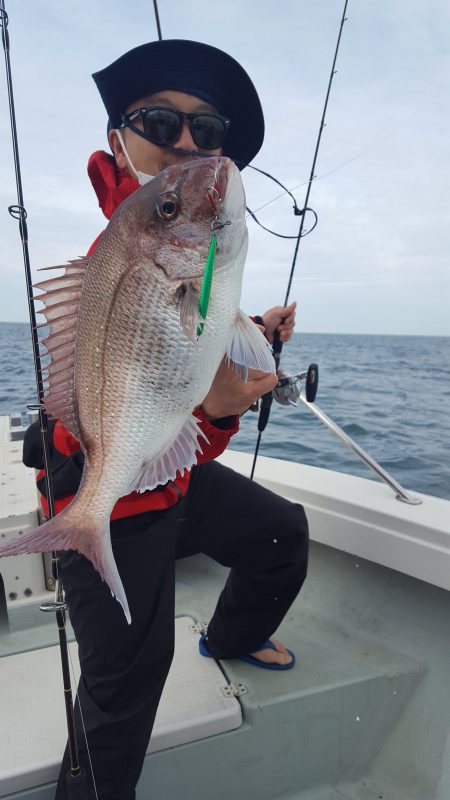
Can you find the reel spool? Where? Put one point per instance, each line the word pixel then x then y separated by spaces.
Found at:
pixel 288 389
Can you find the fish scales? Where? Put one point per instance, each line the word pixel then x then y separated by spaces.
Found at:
pixel 138 368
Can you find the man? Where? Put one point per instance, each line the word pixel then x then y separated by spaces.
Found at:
pixel 167 102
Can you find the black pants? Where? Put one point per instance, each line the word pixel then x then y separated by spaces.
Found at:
pixel 263 538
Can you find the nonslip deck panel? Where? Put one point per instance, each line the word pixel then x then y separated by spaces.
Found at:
pixel 33 732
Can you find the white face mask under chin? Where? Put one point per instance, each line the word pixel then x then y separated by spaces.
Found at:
pixel 142 177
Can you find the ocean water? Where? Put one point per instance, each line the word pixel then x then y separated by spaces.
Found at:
pixel 391 394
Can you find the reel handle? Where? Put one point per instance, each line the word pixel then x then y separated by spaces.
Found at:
pixel 312 382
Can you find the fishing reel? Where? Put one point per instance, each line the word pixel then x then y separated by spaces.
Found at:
pixel 287 391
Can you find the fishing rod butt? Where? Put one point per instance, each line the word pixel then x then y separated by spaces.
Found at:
pixel 76 784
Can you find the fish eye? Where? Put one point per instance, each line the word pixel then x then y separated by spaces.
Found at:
pixel 168 205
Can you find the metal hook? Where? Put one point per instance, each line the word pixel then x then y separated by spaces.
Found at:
pixel 217 226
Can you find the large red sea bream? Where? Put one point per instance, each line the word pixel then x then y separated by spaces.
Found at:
pixel 128 365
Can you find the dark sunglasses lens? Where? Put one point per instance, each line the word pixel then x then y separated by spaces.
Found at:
pixel 161 126
pixel 208 131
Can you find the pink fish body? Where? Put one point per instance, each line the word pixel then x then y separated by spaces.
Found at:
pixel 127 364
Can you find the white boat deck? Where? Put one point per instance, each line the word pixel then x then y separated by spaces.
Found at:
pixel 196 704
pixel 364 714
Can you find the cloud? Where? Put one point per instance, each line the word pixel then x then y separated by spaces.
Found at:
pixel 383 216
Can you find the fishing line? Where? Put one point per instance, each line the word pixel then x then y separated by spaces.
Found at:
pixel 77 700
pixel 297 211
pixel 267 399
pixel 341 165
pixel 282 235
pixel 76 780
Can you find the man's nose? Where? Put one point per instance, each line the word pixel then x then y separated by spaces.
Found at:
pixel 185 140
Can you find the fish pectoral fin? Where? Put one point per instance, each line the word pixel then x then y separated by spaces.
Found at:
pixel 189 305
pixel 248 348
pixel 88 535
pixel 179 456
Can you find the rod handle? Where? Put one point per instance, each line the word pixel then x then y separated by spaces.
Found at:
pixel 267 399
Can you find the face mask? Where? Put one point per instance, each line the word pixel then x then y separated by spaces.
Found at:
pixel 142 177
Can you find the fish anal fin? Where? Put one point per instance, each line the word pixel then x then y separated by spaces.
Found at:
pixel 179 456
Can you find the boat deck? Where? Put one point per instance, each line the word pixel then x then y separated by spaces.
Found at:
pixel 364 714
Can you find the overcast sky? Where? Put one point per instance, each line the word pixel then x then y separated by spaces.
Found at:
pixel 377 261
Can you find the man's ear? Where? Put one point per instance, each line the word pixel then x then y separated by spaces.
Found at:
pixel 118 153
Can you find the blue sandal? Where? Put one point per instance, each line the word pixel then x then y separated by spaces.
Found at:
pixel 248 659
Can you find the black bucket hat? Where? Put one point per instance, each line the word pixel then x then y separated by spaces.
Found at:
pixel 194 68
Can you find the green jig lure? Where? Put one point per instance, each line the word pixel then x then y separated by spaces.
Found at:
pixel 206 285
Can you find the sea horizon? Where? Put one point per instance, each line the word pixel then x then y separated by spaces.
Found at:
pixel 312 333
pixel 388 392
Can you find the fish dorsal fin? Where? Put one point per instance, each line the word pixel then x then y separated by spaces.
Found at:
pixel 181 455
pixel 248 348
pixel 61 299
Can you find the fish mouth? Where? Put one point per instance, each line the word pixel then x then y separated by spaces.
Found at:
pixel 220 184
pixel 231 191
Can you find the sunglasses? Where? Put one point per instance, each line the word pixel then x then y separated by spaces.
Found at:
pixel 164 125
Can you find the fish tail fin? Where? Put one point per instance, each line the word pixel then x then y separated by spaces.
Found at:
pixel 88 535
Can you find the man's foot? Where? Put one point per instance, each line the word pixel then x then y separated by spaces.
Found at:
pixel 278 656
pixel 272 655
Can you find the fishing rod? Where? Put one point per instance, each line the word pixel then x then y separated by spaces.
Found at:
pixel 76 777
pixel 312 374
pixel 158 24
pixel 287 390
